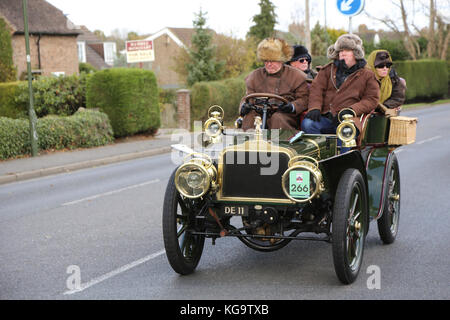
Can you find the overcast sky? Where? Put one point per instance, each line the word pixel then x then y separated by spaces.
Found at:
pixel 231 17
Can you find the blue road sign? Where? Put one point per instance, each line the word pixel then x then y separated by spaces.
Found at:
pixel 350 7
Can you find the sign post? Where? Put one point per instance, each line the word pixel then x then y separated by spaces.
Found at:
pixel 31 112
pixel 140 51
pixel 350 8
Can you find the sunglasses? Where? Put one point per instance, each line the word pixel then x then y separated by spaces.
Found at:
pixel 302 60
pixel 384 65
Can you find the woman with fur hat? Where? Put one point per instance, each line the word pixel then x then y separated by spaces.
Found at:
pixel 302 60
pixel 280 79
pixel 344 83
pixel 392 87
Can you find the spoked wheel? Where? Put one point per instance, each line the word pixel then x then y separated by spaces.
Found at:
pixel 349 225
pixel 183 249
pixel 389 220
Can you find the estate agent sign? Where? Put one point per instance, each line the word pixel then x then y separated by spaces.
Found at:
pixel 140 51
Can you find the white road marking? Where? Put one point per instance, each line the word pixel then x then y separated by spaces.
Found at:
pixel 110 192
pixel 428 140
pixel 111 274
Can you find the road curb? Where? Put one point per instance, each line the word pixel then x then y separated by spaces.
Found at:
pixel 13 177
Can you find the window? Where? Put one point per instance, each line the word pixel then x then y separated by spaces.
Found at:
pixel 110 52
pixel 81 51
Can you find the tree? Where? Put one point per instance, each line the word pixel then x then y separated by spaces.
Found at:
pixel 7 69
pixel 239 55
pixel 319 40
pixel 265 21
pixel 202 66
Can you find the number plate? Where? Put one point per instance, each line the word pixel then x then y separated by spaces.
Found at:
pixel 299 184
pixel 235 210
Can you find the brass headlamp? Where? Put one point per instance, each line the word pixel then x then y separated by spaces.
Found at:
pixel 196 176
pixel 346 131
pixel 213 127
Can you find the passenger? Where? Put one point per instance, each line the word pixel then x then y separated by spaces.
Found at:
pixel 280 79
pixel 344 83
pixel 302 60
pixel 392 87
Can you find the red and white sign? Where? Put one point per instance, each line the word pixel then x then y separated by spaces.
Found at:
pixel 140 51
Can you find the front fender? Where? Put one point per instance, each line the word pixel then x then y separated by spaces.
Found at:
pixel 376 173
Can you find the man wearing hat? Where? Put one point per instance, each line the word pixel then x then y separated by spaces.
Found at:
pixel 344 83
pixel 302 60
pixel 280 79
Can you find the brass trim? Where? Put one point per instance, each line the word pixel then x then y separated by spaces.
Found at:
pixel 208 123
pixel 347 142
pixel 314 142
pixel 305 165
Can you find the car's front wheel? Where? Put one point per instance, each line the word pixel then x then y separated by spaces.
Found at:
pixel 349 225
pixel 183 249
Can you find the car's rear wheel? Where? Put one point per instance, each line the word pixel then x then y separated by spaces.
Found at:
pixel 349 225
pixel 183 249
pixel 389 220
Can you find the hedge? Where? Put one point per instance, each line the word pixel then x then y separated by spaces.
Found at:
pixel 84 129
pixel 128 96
pixel 225 93
pixel 62 95
pixel 8 107
pixel 425 79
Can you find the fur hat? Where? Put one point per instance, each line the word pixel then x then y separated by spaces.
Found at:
pixel 273 49
pixel 300 52
pixel 346 42
pixel 382 57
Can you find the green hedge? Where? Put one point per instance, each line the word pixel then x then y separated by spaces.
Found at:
pixel 128 96
pixel 8 107
pixel 425 79
pixel 62 95
pixel 225 93
pixel 84 129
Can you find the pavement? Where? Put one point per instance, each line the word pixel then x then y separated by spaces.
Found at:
pixel 50 163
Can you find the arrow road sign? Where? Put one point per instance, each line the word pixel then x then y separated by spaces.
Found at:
pixel 350 7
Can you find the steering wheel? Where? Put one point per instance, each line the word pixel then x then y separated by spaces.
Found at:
pixel 262 100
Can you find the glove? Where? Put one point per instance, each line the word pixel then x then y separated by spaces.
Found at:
pixel 245 109
pixel 287 108
pixel 314 115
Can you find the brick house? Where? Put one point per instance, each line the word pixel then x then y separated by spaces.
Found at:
pixel 92 50
pixel 167 44
pixel 53 38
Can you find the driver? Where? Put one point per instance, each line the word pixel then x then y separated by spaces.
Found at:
pixel 280 79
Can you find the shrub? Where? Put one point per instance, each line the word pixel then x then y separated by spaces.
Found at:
pixel 128 96
pixel 425 79
pixel 8 107
pixel 7 69
pixel 84 67
pixel 225 93
pixel 62 95
pixel 84 129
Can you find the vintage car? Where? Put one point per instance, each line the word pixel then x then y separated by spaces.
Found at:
pixel 269 187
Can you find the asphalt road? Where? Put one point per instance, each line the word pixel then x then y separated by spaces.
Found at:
pixel 104 224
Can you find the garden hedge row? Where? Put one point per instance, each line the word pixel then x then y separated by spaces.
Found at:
pixel 128 96
pixel 84 129
pixel 225 93
pixel 8 107
pixel 425 79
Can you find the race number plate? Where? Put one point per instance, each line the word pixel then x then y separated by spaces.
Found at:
pixel 299 184
pixel 235 210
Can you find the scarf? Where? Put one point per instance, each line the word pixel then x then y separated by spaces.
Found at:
pixel 385 82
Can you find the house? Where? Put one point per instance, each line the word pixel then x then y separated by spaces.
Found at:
pixel 94 51
pixel 53 38
pixel 167 44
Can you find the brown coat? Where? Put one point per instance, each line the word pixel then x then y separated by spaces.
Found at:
pixel 360 91
pixel 289 83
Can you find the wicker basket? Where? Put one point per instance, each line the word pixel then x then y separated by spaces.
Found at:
pixel 402 130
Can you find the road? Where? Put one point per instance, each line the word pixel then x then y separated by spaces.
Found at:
pixel 104 224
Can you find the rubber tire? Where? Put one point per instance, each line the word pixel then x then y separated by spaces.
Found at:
pixel 176 259
pixel 384 222
pixel 341 210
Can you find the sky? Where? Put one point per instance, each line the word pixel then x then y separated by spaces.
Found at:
pixel 230 17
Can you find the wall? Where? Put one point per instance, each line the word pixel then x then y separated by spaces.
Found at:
pixel 165 52
pixel 58 54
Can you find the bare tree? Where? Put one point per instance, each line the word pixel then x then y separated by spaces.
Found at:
pixel 307 26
